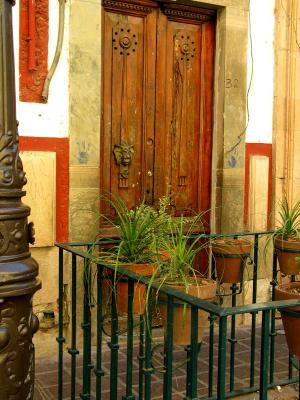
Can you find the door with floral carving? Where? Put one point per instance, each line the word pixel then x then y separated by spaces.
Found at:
pixel 157 79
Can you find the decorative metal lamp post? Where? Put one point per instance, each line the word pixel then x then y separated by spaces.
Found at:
pixel 18 271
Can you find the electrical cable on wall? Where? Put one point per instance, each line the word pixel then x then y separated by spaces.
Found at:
pixel 58 50
pixel 240 136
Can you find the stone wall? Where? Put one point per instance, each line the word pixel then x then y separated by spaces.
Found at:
pixel 85 110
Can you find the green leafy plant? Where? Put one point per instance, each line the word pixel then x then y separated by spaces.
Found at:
pixel 180 250
pixel 147 238
pixel 177 270
pixel 286 237
pixel 140 231
pixel 289 222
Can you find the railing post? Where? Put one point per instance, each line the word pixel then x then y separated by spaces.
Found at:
pixel 99 372
pixel 114 347
pixel 141 357
pixel 129 395
pixel 253 324
pixel 264 355
pixel 60 339
pixel 169 351
pixel 273 331
pixel 86 328
pixel 18 271
pixel 232 338
pixel 195 348
pixel 222 357
pixel 212 319
pixel 73 350
pixel 148 369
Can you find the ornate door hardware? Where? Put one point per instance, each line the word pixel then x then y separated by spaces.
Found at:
pixel 123 156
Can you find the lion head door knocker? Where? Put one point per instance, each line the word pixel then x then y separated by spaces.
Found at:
pixel 123 155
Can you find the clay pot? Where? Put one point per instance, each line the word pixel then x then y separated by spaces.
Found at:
pixel 287 249
pixel 290 317
pixel 205 289
pixel 229 269
pixel 139 291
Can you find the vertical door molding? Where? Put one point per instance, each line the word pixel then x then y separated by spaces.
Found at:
pixel 286 132
pixel 184 107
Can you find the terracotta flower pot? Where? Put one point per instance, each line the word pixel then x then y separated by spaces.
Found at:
pixel 139 291
pixel 287 249
pixel 291 316
pixel 206 289
pixel 230 257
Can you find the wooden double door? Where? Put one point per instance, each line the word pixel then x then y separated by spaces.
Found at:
pixel 157 79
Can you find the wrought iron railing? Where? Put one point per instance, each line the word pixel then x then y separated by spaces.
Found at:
pixel 220 348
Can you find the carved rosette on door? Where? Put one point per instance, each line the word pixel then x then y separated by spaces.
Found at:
pixel 184 47
pixel 124 41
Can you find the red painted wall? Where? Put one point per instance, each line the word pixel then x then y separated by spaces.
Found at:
pixel 33 52
pixel 259 149
pixel 61 147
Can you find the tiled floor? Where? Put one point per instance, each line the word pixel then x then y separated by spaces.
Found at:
pixel 46 370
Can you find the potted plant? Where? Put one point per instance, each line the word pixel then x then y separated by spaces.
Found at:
pixel 286 237
pixel 230 258
pixel 139 231
pixel 291 316
pixel 177 271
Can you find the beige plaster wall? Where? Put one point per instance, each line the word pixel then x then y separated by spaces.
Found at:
pixel 47 258
pixel 258 193
pixel 229 115
pixel 85 109
pixel 286 133
pixel 40 167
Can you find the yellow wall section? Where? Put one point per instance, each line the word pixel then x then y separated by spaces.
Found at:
pixel 40 168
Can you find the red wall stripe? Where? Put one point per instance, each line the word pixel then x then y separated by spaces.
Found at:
pixel 61 147
pixel 33 51
pixel 257 149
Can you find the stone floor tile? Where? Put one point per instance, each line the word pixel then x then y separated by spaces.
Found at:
pixel 46 369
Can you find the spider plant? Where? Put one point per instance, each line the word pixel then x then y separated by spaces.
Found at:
pixel 140 231
pixel 286 237
pixel 181 248
pixel 289 222
pixel 178 271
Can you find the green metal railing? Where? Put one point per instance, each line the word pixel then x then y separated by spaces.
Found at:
pixel 222 328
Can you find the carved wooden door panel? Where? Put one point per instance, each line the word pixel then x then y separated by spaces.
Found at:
pixel 156 139
pixel 184 105
pixel 127 137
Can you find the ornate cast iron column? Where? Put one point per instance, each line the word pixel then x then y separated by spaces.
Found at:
pixel 18 271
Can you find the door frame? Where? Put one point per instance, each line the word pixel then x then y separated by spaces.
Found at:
pixel 182 15
pixel 223 178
